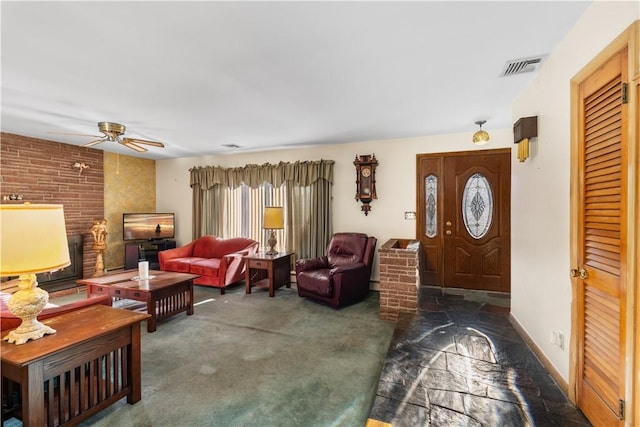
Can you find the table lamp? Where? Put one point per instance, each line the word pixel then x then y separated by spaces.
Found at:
pixel 273 220
pixel 33 239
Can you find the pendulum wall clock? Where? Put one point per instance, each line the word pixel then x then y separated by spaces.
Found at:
pixel 365 180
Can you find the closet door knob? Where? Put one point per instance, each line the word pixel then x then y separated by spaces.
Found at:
pixel 579 272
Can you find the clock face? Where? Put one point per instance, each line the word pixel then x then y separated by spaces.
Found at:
pixel 366 172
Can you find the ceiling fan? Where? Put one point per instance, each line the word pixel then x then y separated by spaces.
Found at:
pixel 112 132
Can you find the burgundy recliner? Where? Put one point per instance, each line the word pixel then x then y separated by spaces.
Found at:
pixel 341 277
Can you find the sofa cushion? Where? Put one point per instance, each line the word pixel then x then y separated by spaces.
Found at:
pixel 181 265
pixel 206 267
pixel 205 247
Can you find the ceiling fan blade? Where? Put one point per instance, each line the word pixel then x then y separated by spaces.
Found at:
pixel 74 134
pixel 127 143
pixel 92 143
pixel 143 141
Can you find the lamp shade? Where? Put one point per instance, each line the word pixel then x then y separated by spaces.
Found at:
pixel 33 239
pixel 481 137
pixel 273 217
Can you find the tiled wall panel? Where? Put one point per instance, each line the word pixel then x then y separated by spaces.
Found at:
pixel 130 186
pixel 42 172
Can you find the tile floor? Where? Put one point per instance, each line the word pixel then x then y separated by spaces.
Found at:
pixel 460 362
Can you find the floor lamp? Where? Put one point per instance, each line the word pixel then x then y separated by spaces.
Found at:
pixel 273 220
pixel 33 239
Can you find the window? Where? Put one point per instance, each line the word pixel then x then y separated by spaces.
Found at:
pixel 229 202
pixel 477 205
pixel 431 188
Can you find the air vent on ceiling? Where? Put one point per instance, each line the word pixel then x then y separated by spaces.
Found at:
pixel 230 145
pixel 519 66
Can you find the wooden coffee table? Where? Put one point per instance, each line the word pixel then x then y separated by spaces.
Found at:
pixel 166 293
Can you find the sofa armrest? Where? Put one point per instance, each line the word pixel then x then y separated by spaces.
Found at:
pixel 9 321
pixel 181 252
pixel 232 266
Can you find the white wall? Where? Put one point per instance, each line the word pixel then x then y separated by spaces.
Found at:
pixel 395 180
pixel 540 285
pixel 541 291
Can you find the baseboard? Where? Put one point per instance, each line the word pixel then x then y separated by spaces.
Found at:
pixel 375 423
pixel 545 361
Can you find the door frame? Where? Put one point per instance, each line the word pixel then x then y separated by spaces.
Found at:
pixel 629 38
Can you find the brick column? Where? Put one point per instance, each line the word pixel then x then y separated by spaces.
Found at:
pixel 399 277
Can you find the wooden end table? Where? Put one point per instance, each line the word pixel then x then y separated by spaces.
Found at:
pixel 166 294
pixel 92 361
pixel 267 271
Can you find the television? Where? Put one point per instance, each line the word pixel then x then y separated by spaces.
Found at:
pixel 148 226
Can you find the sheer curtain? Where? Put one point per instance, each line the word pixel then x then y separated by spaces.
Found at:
pixel 229 202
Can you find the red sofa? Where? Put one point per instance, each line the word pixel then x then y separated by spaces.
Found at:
pixel 9 321
pixel 219 262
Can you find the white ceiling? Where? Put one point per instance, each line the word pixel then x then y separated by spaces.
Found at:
pixel 265 75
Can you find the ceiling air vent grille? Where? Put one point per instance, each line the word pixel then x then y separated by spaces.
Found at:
pixel 519 66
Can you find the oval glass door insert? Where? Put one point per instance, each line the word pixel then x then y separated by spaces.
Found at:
pixel 477 205
pixel 431 186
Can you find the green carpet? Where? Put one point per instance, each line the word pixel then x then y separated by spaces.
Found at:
pixel 251 360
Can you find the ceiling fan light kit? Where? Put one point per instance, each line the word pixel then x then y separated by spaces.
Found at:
pixel 112 130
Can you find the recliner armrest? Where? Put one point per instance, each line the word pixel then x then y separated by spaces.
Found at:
pixel 311 264
pixel 347 268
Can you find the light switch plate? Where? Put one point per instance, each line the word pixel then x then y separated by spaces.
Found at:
pixel 409 215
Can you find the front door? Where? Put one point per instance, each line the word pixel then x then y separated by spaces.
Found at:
pixel 464 219
pixel 601 241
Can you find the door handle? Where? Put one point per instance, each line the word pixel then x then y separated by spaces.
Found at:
pixel 448 232
pixel 579 272
pixel 448 224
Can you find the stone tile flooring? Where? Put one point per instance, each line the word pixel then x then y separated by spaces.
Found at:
pixel 460 362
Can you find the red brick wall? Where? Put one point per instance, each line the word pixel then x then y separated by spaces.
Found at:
pixel 399 279
pixel 42 172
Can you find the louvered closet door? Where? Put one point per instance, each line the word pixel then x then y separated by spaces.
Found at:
pixel 602 243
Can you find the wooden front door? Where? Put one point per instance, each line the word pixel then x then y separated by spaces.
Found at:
pixel 601 241
pixel 464 219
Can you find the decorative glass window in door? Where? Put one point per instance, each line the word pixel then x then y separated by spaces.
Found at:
pixel 477 205
pixel 431 186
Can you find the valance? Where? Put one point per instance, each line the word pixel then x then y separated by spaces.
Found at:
pixel 304 173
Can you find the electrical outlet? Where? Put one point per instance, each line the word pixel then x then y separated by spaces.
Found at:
pixel 560 340
pixel 557 338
